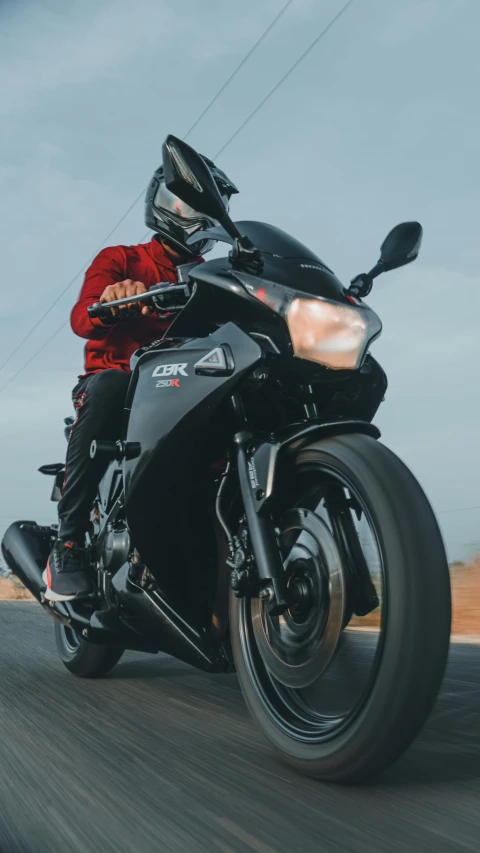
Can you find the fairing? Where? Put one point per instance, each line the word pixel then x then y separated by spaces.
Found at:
pixel 174 424
pixel 286 261
pixel 222 294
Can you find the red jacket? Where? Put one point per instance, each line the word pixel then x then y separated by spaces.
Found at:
pixel 112 345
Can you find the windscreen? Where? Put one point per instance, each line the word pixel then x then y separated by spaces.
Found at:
pixel 274 241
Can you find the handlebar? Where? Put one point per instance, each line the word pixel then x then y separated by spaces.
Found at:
pixel 164 297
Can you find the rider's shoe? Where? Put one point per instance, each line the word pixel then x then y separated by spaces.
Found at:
pixel 66 575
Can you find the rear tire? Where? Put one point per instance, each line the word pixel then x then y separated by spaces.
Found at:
pixel 84 660
pixel 414 628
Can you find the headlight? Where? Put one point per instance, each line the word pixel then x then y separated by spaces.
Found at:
pixel 327 332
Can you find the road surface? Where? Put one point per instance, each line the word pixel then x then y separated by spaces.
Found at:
pixel 160 758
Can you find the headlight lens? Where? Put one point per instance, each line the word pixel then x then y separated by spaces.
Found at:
pixel 329 333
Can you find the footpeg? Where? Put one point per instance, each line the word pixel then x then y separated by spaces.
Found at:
pixel 112 450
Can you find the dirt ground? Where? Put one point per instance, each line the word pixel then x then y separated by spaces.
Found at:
pixel 465 579
pixel 465 595
pixel 12 589
pixel 466 598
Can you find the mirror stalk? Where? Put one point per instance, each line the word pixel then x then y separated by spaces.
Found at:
pixel 362 284
pixel 245 257
pixel 229 226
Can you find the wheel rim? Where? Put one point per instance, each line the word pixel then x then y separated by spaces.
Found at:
pixel 316 709
pixel 71 639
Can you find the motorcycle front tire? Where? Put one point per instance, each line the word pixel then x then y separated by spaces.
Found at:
pixel 417 632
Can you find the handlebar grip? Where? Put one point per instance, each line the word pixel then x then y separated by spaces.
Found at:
pixel 100 310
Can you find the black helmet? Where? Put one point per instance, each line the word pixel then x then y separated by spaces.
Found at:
pixel 174 220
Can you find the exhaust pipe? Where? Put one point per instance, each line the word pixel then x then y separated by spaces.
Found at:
pixel 26 554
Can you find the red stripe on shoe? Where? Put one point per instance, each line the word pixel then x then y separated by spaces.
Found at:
pixel 49 575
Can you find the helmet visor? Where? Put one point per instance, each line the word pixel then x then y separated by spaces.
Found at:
pixel 168 202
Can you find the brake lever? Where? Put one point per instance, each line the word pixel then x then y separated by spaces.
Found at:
pixel 161 298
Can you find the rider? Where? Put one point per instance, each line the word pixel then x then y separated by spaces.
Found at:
pixel 99 396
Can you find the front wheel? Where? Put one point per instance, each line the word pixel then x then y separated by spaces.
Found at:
pixel 341 702
pixel 84 659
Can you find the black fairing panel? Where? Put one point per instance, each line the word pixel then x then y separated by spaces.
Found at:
pixel 173 424
pixel 286 261
pixel 304 274
pixel 220 296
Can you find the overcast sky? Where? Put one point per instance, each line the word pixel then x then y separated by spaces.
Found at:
pixel 379 124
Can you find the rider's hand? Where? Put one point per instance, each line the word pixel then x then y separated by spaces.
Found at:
pixel 120 291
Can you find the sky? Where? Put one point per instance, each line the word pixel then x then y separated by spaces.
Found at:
pixel 377 125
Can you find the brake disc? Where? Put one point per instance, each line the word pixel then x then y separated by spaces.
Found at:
pixel 298 646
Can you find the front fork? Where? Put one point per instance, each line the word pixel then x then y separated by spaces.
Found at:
pixel 263 540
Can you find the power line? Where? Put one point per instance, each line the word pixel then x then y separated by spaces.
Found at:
pixel 222 149
pixel 237 69
pixel 458 509
pixel 282 80
pixel 43 346
pixel 70 284
pixel 139 196
pixel 37 352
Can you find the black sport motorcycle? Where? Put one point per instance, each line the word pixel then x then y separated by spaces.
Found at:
pixel 249 518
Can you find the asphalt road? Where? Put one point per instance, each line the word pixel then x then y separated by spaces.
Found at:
pixel 159 758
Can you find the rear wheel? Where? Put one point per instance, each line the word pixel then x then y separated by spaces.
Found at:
pixel 84 659
pixel 357 533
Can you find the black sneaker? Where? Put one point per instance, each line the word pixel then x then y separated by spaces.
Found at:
pixel 66 575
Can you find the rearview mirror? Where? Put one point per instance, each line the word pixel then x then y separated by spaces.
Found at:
pixel 401 246
pixel 189 177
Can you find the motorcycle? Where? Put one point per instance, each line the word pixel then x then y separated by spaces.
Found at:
pixel 249 519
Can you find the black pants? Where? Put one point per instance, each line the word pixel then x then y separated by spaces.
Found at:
pixel 98 400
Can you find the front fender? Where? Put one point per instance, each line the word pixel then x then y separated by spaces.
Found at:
pixel 263 456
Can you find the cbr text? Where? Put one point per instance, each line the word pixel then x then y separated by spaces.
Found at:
pixel 170 370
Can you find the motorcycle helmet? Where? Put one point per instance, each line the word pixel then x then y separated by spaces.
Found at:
pixel 175 221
